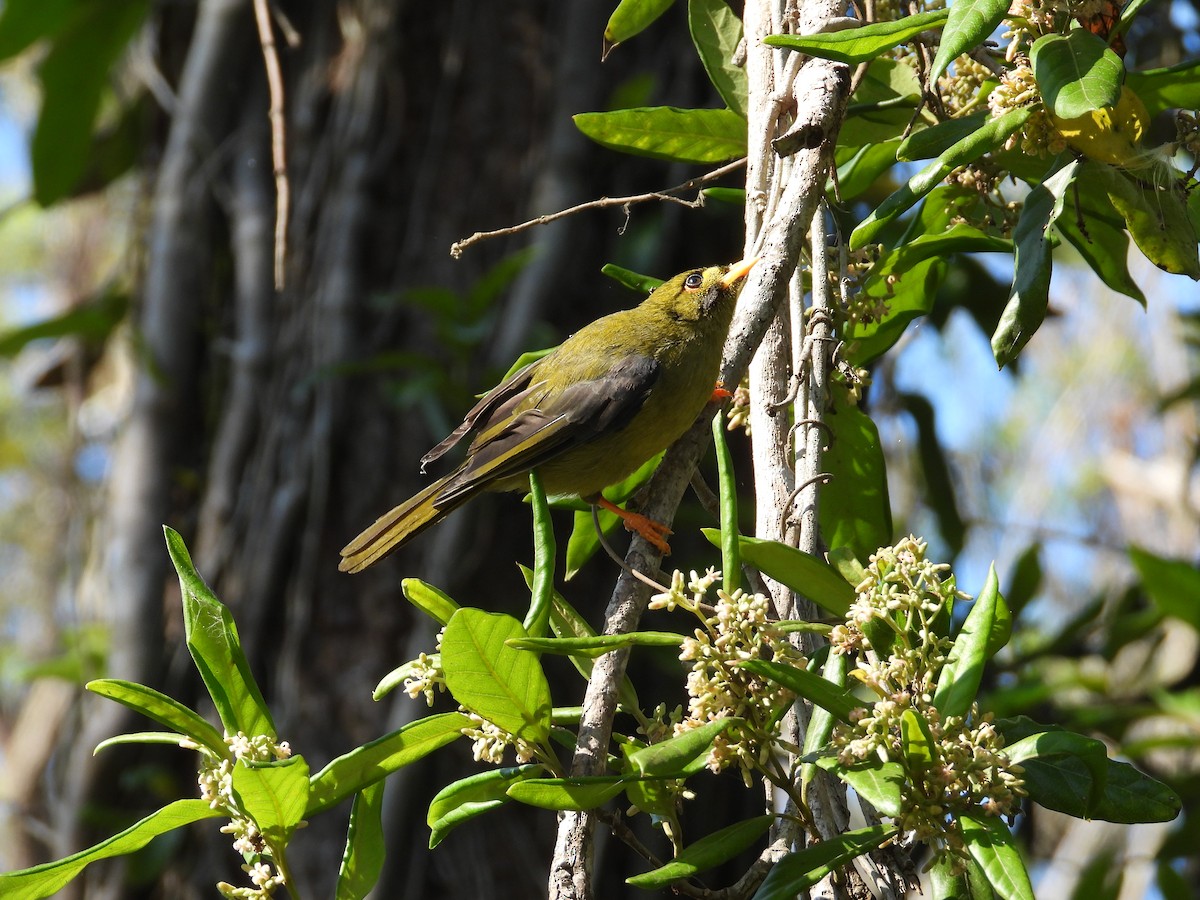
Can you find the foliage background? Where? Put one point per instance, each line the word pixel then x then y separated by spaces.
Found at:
pixel 179 388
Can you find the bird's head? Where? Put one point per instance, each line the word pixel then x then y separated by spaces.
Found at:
pixel 694 294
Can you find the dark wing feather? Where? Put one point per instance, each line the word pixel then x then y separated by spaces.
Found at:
pixel 577 414
pixel 495 405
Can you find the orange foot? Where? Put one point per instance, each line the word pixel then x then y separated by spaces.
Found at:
pixel 720 393
pixel 654 532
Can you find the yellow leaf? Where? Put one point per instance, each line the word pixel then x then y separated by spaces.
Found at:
pixel 1111 134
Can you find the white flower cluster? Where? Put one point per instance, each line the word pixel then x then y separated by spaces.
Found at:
pixel 903 602
pixel 490 741
pixel 426 675
pixel 737 630
pixel 216 787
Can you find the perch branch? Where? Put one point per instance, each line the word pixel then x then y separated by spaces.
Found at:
pixel 572 868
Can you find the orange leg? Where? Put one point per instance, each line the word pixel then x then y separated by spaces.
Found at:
pixel 720 393
pixel 654 532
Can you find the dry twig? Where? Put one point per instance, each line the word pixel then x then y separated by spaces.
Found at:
pixel 266 37
pixel 458 247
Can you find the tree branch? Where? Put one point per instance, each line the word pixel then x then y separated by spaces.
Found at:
pixel 825 85
pixel 666 194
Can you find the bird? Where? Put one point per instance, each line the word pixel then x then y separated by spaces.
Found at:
pixel 585 416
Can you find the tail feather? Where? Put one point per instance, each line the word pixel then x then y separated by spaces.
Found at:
pixel 395 527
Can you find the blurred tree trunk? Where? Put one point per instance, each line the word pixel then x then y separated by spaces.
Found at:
pixel 269 427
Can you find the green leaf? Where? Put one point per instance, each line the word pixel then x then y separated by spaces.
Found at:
pixel 565 622
pixel 1176 87
pixel 858 45
pixel 162 709
pixel 1171 884
pixel 470 797
pixel 679 756
pixel 716 31
pixel 597 645
pixel 584 542
pixel 909 296
pixel 939 486
pixel 362 861
pixel 525 359
pixel 507 687
pixel 847 565
pixel 1172 585
pixel 663 132
pixel 212 639
pixel 1063 783
pixel 365 765
pixel 809 685
pixel 432 601
pixel 731 557
pixel 821 720
pixel 991 135
pixel 916 739
pixel 937 139
pixel 991 845
pixel 1095 230
pixel 971 22
pixel 957 238
pixel 635 281
pixel 537 619
pixel 21 24
pixel 274 795
pixel 708 852
pixel 879 783
pixel 860 167
pixel 732 196
pixel 881 108
pixel 656 797
pixel 947 884
pixel 1024 580
pixel 74 75
pixel 566 793
pixel 49 878
pixel 986 629
pixel 1030 296
pixel 802 572
pixel 1091 752
pixel 801 870
pixel 907 277
pixel 1129 12
pixel 630 18
pixel 170 738
pixel 93 321
pixel 398 675
pixel 854 511
pixel 1157 220
pixel 1076 72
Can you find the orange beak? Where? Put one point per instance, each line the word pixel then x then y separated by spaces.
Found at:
pixel 738 271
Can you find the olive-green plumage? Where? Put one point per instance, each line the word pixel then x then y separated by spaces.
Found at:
pixel 614 394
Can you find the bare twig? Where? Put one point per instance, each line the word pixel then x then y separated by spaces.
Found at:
pixel 266 37
pixel 458 247
pixel 616 557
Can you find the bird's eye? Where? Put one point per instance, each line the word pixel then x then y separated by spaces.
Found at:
pixel 693 281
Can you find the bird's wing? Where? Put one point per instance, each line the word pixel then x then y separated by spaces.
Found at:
pixel 495 405
pixel 516 443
